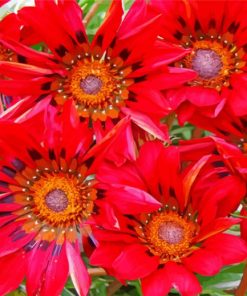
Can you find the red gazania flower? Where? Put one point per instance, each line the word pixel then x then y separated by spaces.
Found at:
pixel 47 199
pixel 120 72
pixel 215 31
pixel 166 246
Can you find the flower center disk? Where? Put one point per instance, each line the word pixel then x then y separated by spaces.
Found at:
pixel 207 63
pixel 91 85
pixel 56 200
pixel 169 235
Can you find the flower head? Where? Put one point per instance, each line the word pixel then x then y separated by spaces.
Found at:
pixel 215 33
pixel 48 198
pixel 165 246
pixel 110 77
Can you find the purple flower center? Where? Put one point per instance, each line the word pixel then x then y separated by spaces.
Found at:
pixel 56 200
pixel 207 63
pixel 91 85
pixel 171 232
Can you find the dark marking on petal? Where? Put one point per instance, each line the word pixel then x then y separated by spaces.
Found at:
pixel 113 42
pixel 236 126
pixel 80 37
pixel 149 253
pixel 124 54
pixel 225 133
pixel 130 227
pixel 7 200
pixel 44 245
pixel 96 209
pixel 218 164
pixel 160 189
pixel 136 66
pixel 18 164
pixel 52 155
pixel 160 266
pixel 53 102
pixel 17 234
pixel 140 79
pixel 178 35
pixel 46 86
pixel 197 26
pixel 223 174
pixel 35 155
pixel 40 98
pixel 90 241
pixel 63 153
pixel 233 27
pixel 28 247
pixel 99 40
pixel 216 152
pixel 182 21
pixel 100 193
pixel 89 161
pixel 212 23
pixel 61 51
pixel 8 171
pixel 56 250
pixel 82 119
pixel 245 47
pixel 172 192
pixel 21 59
pixel 4 184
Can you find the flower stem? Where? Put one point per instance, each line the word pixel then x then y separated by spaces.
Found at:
pixel 242 288
pixel 96 271
pixel 92 12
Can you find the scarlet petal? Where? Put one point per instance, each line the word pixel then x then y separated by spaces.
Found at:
pixel 131 200
pixel 12 272
pixel 158 283
pixel 135 262
pixel 203 262
pixel 105 254
pixel 78 270
pixel 56 272
pixel 230 248
pixel 183 280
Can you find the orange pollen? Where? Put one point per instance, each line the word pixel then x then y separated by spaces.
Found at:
pixel 169 235
pixel 61 200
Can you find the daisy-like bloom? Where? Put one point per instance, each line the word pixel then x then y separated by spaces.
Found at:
pixel 181 236
pixel 47 198
pixel 215 31
pixel 107 78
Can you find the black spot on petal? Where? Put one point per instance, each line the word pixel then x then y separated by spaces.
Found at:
pixel 40 98
pixel 21 59
pixel 178 35
pixel 61 51
pixel 63 153
pixel 197 26
pixel 124 54
pixel 100 193
pixel 182 21
pixel 172 192
pixel 4 184
pixel 218 164
pixel 18 164
pixel 233 27
pixel 136 66
pixel 80 37
pixel 223 174
pixel 35 155
pixel 99 40
pixel 212 24
pixel 52 155
pixel 160 189
pixel 8 171
pixel 149 253
pixel 140 79
pixel 46 85
pixel 89 161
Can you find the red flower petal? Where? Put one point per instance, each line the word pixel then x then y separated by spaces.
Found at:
pixel 134 262
pixel 78 270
